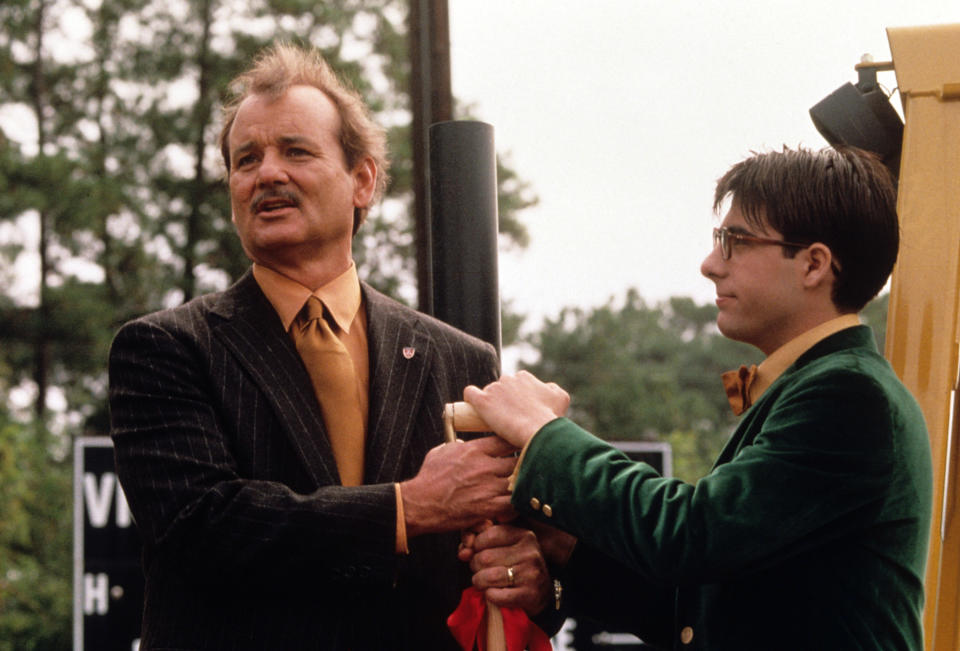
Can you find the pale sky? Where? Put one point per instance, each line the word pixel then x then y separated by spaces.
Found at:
pixel 623 113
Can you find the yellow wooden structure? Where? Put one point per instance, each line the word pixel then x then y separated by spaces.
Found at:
pixel 923 323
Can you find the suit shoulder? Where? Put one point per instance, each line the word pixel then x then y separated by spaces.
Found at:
pixel 853 386
pixel 169 317
pixel 184 322
pixel 438 330
pixel 441 328
pixel 855 367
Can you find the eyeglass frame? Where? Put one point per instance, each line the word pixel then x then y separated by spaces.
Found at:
pixel 724 237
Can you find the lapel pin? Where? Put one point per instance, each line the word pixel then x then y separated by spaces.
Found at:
pixel 409 352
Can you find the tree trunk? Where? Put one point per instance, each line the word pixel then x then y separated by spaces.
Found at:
pixel 42 343
pixel 201 118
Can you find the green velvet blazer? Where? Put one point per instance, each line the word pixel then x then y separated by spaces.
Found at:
pixel 811 531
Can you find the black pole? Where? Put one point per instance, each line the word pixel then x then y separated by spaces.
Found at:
pixel 431 101
pixel 463 208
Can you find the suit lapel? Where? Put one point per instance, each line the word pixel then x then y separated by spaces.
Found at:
pixel 748 429
pixel 245 321
pixel 400 359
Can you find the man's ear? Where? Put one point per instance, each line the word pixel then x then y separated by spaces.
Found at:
pixel 365 182
pixel 817 266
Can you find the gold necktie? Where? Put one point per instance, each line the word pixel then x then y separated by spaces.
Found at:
pixel 737 385
pixel 335 384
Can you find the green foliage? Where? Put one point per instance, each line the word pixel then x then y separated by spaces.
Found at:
pixel 129 120
pixel 693 453
pixel 645 372
pixel 35 543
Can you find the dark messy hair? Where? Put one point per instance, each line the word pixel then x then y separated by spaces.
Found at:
pixel 842 197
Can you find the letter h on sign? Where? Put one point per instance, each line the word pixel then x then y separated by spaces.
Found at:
pixel 107 580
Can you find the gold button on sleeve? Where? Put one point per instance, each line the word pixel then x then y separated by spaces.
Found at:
pixel 686 635
pixel 548 510
pixel 534 504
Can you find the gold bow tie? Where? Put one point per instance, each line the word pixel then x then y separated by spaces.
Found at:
pixel 737 385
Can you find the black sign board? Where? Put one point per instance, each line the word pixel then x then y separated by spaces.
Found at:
pixel 107 580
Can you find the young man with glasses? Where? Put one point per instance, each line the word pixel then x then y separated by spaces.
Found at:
pixel 811 531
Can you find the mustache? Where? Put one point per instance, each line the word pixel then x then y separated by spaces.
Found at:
pixel 271 195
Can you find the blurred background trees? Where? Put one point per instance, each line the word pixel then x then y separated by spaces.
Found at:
pixel 111 164
pixel 112 205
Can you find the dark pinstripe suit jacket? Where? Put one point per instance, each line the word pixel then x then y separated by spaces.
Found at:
pixel 250 541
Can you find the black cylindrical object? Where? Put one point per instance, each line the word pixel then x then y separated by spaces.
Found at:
pixel 463 216
pixel 861 116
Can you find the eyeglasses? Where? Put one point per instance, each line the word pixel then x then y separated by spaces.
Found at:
pixel 724 238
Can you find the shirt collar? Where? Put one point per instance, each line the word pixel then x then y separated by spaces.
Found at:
pixel 341 295
pixel 780 360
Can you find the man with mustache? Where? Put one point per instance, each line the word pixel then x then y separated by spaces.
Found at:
pixel 811 531
pixel 279 442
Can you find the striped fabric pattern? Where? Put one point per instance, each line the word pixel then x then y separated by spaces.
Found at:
pixel 250 541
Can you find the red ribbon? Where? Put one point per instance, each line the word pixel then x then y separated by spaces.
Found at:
pixel 466 621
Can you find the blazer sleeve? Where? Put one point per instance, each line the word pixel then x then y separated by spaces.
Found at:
pixel 817 469
pixel 193 506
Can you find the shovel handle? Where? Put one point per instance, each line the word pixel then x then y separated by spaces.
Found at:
pixel 461 417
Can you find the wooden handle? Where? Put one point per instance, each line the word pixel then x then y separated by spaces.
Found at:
pixel 462 417
pixel 496 635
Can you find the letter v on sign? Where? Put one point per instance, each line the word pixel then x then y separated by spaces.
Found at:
pixel 97 498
